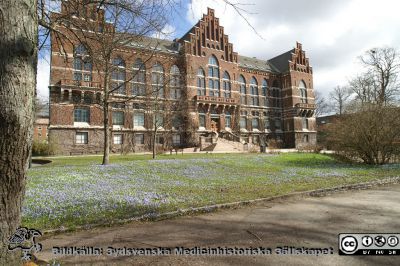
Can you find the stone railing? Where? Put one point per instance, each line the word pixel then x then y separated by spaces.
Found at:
pixel 213 99
pixel 79 83
pixel 305 105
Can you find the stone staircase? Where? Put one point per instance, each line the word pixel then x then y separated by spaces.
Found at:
pixel 220 145
pixel 224 145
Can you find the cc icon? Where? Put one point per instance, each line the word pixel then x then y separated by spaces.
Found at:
pixel 349 244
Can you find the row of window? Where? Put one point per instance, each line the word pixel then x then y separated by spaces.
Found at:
pixel 83 138
pixel 82 66
pixel 255 123
pixel 243 122
pixel 83 69
pixel 118 118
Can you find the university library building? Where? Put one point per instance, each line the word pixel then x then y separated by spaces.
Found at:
pixel 192 92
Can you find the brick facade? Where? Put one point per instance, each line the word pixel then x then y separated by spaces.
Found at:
pixel 274 107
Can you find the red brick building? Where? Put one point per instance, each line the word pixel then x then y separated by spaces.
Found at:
pixel 40 129
pixel 243 99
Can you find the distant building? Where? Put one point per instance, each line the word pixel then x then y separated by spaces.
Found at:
pixel 41 125
pixel 323 123
pixel 242 98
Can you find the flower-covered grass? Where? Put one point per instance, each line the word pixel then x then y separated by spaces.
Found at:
pixel 78 190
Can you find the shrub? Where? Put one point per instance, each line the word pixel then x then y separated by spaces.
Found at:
pixel 371 135
pixel 42 148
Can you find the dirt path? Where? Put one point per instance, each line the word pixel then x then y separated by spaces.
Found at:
pixel 307 222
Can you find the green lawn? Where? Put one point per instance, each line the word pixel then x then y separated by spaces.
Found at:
pixel 75 191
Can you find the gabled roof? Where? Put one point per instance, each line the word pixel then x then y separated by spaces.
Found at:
pixel 156 44
pixel 281 62
pixel 255 63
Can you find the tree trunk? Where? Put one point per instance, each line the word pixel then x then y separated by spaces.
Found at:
pixel 106 154
pixel 154 141
pixel 18 62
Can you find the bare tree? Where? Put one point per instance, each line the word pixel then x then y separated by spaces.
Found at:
pixel 321 106
pixel 125 23
pixel 339 97
pixel 371 131
pixel 383 65
pixel 363 86
pixel 19 22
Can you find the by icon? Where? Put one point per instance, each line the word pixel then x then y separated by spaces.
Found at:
pixel 367 241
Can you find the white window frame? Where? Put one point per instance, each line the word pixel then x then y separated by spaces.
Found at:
pixel 118 139
pixel 82 139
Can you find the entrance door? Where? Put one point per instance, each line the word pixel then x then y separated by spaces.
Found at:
pixel 214 124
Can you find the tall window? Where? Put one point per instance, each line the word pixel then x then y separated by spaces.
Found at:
pixel 202 120
pixel 254 91
pixel 303 92
pixel 81 115
pixel 139 78
pixel 305 123
pixel 226 85
pixel 201 82
pixel 228 119
pixel 118 76
pixel 266 123
pixel 158 120
pixel 157 80
pixel 82 64
pixel 243 122
pixel 213 76
pixel 175 83
pixel 278 124
pixel 118 118
pixel 243 119
pixel 138 119
pixel 254 123
pixel 177 121
pixel 242 89
pixel 264 88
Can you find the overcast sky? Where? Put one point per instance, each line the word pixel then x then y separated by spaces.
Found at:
pixel 333 33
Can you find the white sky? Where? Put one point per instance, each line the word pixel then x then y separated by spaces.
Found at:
pixel 333 33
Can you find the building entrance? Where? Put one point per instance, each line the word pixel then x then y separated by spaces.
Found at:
pixel 215 124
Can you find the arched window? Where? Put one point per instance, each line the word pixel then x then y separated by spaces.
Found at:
pixel 242 89
pixel 80 50
pixel 118 75
pixel 303 92
pixel 157 80
pixel 175 82
pixel 213 76
pixel 201 82
pixel 254 91
pixel 265 87
pixel 82 64
pixel 139 78
pixel 227 85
